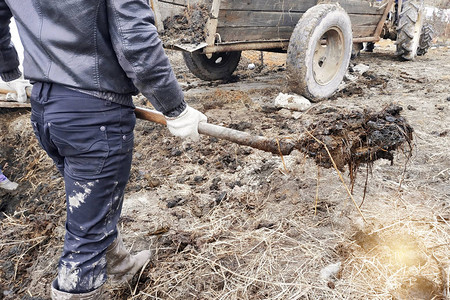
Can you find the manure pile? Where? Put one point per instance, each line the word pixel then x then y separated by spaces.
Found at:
pixel 188 27
pixel 342 139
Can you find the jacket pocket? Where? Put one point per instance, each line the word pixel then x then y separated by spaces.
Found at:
pixel 84 149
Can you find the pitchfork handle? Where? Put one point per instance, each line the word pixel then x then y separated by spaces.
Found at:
pixel 239 137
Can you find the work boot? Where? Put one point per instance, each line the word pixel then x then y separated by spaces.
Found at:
pixel 8 185
pixel 120 264
pixel 96 294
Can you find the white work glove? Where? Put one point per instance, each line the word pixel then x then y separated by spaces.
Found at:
pixel 185 125
pixel 19 86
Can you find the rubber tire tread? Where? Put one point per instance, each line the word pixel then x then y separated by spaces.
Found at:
pixel 426 39
pixel 300 57
pixel 197 64
pixel 407 39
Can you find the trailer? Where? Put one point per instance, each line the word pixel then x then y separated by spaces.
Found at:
pixel 317 36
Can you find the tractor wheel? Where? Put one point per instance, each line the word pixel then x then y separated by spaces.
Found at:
pixel 219 66
pixel 426 38
pixel 409 29
pixel 319 51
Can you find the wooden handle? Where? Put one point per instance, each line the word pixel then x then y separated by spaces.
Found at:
pixel 242 138
pixel 3 91
pixel 150 115
pixel 28 91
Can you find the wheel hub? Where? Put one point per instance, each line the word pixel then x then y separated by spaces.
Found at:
pixel 328 55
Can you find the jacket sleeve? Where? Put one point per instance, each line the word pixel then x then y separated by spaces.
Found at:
pixel 141 54
pixel 9 60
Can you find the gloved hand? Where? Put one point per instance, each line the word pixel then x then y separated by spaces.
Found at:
pixel 185 125
pixel 19 87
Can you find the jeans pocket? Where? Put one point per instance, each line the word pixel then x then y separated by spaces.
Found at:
pixel 127 142
pixel 37 133
pixel 84 149
pixel 127 124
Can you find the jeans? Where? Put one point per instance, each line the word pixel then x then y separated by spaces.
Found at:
pixel 91 142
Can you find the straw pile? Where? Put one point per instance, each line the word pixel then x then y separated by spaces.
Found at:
pixel 226 222
pixel 29 215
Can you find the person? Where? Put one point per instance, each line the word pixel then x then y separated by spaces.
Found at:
pixel 7 184
pixel 85 60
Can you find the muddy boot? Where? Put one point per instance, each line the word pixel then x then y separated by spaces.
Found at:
pixel 120 264
pixel 96 294
pixel 8 185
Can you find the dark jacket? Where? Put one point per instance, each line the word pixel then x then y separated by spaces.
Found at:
pixel 107 48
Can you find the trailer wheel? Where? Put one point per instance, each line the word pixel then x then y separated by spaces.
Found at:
pixel 409 30
pixel 219 66
pixel 319 51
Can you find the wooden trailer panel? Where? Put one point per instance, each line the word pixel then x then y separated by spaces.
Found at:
pixel 353 6
pixel 266 20
pixel 261 25
pixel 253 19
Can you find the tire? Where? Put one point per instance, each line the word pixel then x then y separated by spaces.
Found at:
pixel 409 29
pixel 219 67
pixel 319 51
pixel 426 39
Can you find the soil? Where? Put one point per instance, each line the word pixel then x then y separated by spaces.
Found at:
pixel 230 222
pixel 188 27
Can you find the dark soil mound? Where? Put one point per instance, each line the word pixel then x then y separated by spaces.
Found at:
pixel 354 138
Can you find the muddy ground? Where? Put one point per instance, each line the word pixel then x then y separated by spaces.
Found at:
pixel 231 222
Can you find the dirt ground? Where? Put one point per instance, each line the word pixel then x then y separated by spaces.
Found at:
pixel 231 222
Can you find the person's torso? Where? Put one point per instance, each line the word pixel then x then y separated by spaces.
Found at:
pixel 68 42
